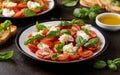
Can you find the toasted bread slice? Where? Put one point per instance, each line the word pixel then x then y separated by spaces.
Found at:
pixel 114 8
pixel 88 3
pixel 13 30
pixel 4 36
pixel 109 5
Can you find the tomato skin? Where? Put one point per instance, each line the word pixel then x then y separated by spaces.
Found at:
pixel 86 54
pixel 32 47
pixel 38 54
pixel 18 14
pixel 49 43
pixel 45 31
pixel 74 57
pixel 92 33
pixel 63 57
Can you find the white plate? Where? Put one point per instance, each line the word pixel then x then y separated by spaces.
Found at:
pixel 23 36
pixel 51 6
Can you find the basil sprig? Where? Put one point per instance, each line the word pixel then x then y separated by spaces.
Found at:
pixel 30 40
pixel 40 26
pixel 53 33
pixel 59 47
pixel 6 55
pixel 92 42
pixel 69 3
pixel 80 41
pixel 5 25
pixel 64 23
pixel 54 56
pixel 65 31
pixel 79 21
pixel 28 12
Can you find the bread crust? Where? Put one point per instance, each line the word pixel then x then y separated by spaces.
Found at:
pixel 6 34
pixel 88 3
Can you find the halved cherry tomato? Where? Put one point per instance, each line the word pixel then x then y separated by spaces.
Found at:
pixel 57 42
pixel 92 33
pixel 63 57
pixel 21 5
pixel 32 47
pixel 45 31
pixel 86 54
pixel 18 14
pixel 35 42
pixel 73 32
pixel 74 57
pixel 80 50
pixel 48 39
pixel 39 55
pixel 49 43
pixel 30 35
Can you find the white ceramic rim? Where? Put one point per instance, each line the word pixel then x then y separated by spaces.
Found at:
pixel 107 13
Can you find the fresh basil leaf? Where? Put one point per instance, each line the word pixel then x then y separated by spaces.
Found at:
pixel 92 42
pixel 95 8
pixel 100 64
pixel 65 31
pixel 27 12
pixel 53 33
pixel 5 25
pixel 40 26
pixel 59 47
pixel 112 67
pixel 79 21
pixel 6 55
pixel 69 3
pixel 92 15
pixel 43 6
pixel 54 56
pixel 29 41
pixel 64 23
pixel 116 61
pixel 81 13
pixel 80 41
pixel 85 30
pixel 117 3
pixel 38 37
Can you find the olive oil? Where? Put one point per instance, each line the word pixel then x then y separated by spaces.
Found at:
pixel 110 19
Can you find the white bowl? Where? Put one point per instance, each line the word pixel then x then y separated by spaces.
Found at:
pixel 108 26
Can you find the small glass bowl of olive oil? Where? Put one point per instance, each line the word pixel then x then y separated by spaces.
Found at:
pixel 109 21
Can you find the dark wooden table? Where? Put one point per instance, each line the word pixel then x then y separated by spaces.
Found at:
pixel 22 65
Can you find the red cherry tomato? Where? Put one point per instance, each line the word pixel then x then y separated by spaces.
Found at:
pixel 74 57
pixel 85 54
pixel 63 57
pixel 32 47
pixel 39 55
pixel 92 33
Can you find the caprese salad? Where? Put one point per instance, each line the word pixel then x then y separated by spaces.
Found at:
pixel 68 41
pixel 22 8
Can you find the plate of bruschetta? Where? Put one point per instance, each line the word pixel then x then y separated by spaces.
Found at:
pixel 61 41
pixel 24 8
pixel 109 5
